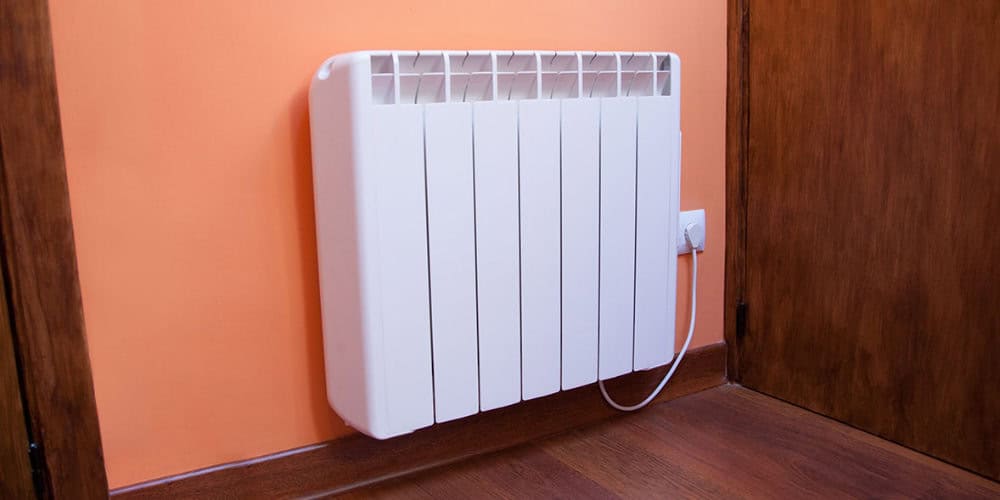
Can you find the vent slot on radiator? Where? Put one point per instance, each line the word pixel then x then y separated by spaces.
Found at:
pixel 492 226
pixel 511 76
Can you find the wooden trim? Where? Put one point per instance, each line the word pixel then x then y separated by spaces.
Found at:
pixel 357 460
pixel 15 480
pixel 737 150
pixel 38 260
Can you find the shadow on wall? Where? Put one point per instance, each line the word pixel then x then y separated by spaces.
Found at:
pixel 323 416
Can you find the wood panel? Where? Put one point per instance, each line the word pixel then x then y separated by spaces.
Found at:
pixel 344 463
pixel 727 442
pixel 39 259
pixel 737 116
pixel 15 467
pixel 873 191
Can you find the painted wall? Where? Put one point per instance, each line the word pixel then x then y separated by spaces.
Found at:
pixel 187 148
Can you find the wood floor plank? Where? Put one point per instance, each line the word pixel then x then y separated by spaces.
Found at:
pixel 524 472
pixel 727 442
pixel 828 456
pixel 616 457
pixel 746 468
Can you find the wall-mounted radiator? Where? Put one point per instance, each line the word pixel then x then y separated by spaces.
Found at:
pixel 492 226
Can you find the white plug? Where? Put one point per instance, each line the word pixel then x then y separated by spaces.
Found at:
pixel 695 235
pixel 691 231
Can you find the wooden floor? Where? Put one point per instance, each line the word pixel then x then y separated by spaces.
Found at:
pixel 724 442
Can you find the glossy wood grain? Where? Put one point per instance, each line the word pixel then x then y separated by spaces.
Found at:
pixel 39 259
pixel 872 257
pixel 345 463
pixel 727 442
pixel 15 468
pixel 737 116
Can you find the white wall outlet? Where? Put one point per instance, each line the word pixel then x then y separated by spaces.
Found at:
pixel 689 217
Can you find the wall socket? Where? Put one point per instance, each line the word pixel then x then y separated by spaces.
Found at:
pixel 688 217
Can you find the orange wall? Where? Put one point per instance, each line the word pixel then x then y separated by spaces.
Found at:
pixel 186 133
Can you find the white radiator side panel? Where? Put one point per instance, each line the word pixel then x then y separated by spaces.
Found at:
pixel 497 253
pixel 540 253
pixel 397 152
pixel 344 198
pixel 452 250
pixel 656 233
pixel 618 148
pixel 581 132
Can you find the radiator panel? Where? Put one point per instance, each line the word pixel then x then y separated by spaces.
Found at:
pixel 538 141
pixel 402 255
pixel 581 190
pixel 617 306
pixel 657 208
pixel 498 248
pixel 451 231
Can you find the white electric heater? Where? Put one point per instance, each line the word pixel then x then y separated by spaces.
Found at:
pixel 492 226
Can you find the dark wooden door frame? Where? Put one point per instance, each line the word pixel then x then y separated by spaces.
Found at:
pixel 737 151
pixel 38 261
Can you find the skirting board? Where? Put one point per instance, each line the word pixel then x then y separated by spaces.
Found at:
pixel 348 462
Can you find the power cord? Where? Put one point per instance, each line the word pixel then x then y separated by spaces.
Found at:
pixel 694 234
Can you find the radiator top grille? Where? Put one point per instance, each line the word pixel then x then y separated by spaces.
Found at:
pixel 467 76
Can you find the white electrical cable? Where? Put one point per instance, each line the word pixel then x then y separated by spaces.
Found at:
pixel 687 342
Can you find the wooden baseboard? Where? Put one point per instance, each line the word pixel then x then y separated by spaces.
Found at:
pixel 352 461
